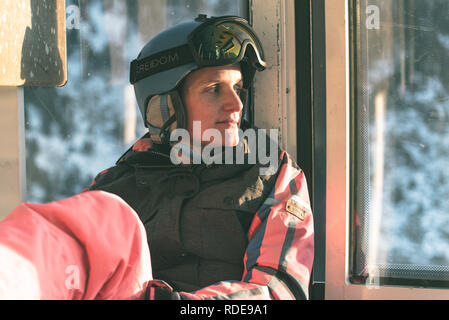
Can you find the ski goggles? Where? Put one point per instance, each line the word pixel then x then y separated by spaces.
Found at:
pixel 216 42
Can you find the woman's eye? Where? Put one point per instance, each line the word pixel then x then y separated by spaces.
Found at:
pixel 213 89
pixel 216 89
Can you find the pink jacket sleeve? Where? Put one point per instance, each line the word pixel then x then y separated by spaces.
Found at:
pixel 90 246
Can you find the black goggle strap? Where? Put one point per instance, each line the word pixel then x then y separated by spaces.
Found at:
pixel 159 62
pixel 162 61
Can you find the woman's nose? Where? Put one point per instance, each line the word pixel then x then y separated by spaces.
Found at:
pixel 232 101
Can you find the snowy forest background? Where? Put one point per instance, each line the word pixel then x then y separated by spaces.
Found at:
pixel 402 68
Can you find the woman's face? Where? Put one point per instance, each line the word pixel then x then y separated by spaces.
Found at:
pixel 211 96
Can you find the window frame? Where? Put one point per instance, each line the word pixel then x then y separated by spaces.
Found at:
pixel 274 23
pixel 338 128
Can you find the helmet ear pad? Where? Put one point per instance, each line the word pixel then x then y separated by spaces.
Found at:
pixel 165 113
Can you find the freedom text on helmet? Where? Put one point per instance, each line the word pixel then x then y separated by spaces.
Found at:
pixel 157 62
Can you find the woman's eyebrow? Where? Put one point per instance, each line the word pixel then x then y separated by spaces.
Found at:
pixel 216 80
pixel 208 81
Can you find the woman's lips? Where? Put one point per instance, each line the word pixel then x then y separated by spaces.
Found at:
pixel 228 123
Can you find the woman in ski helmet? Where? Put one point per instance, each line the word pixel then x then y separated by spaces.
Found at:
pixel 220 231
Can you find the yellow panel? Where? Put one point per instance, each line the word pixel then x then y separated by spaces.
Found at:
pixel 10 148
pixel 32 43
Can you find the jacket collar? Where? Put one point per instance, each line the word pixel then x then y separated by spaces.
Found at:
pixel 145 152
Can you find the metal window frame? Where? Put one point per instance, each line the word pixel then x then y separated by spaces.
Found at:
pixel 317 136
pixel 338 97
